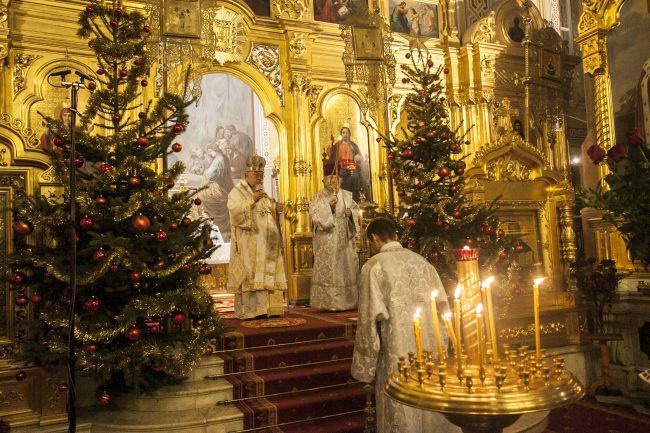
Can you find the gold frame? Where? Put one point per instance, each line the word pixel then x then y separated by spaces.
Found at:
pixel 167 5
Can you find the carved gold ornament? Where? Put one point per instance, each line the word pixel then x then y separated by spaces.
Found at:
pixel 293 9
pixel 507 169
pixel 21 64
pixel 222 35
pixel 266 59
pixel 297 45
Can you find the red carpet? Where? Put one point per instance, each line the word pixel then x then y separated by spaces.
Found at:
pixel 295 379
pixel 589 416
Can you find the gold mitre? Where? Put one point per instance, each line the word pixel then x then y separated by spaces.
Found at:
pixel 255 163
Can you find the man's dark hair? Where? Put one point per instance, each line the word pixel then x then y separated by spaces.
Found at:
pixel 384 228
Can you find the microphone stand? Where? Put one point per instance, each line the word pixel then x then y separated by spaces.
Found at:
pixel 72 395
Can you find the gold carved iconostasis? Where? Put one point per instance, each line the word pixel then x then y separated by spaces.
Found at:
pixel 268 77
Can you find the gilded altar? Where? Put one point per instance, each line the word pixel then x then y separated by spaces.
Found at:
pixel 293 64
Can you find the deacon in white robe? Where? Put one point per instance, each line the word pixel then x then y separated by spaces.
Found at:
pixel 394 283
pixel 256 271
pixel 335 218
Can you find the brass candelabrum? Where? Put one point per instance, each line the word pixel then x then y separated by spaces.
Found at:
pixel 478 389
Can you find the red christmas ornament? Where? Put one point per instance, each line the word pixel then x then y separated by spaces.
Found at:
pixel 186 221
pixel 205 269
pixel 116 118
pixel 22 300
pixel 461 164
pixel 133 334
pixel 79 161
pixel 140 223
pixel 407 153
pixel 501 233
pixel 411 222
pixel 137 62
pixel 59 142
pixel 124 73
pixel 86 223
pixel 161 236
pixel 197 201
pixel 62 387
pixel 429 63
pixel 134 181
pixel 98 256
pixel 453 147
pixel 91 347
pixel 146 28
pixel 153 329
pixel 142 115
pixel 114 23
pixel 178 318
pixel 36 298
pixel 401 193
pixel 208 350
pixel 519 248
pixel 170 185
pixel 378 139
pixel 16 278
pixel 114 267
pixel 104 168
pixel 503 255
pixel 135 276
pixel 177 147
pixel 186 267
pixel 459 171
pixel 92 304
pixel 90 9
pixel 143 141
pixel 21 375
pixel 444 171
pixel 23 227
pixel 434 255
pixel 104 399
pixel 453 188
pixel 144 83
pixel 430 135
pixel 101 200
pixel 173 226
pixel 90 43
pixel 408 55
pixel 446 70
pixel 178 128
pixel 91 85
pixel 457 214
pixel 101 71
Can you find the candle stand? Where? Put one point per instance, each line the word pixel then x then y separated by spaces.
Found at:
pixel 483 391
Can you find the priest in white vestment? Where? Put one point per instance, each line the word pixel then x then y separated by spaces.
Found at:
pixel 394 283
pixel 256 271
pixel 335 218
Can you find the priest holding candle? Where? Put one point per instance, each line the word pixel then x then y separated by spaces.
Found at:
pixel 396 317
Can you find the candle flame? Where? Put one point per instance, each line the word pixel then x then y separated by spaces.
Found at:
pixel 479 309
pixel 489 280
pixel 458 290
pixel 416 316
pixel 434 294
pixel 466 247
pixel 538 281
pixel 447 315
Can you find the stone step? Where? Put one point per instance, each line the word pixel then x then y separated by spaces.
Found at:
pixel 210 365
pixel 184 396
pixel 206 420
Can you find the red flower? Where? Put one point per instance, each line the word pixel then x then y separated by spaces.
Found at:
pixel 617 153
pixel 634 138
pixel 596 153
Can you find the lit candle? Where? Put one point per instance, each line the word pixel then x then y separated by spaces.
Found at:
pixel 417 328
pixel 479 330
pixel 436 326
pixel 490 316
pixel 450 330
pixel 538 334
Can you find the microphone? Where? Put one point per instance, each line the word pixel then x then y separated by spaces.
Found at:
pixel 82 76
pixel 61 74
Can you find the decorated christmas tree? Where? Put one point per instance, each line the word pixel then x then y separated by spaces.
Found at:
pixel 141 314
pixel 427 162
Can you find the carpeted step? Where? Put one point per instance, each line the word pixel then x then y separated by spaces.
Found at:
pixel 302 406
pixel 283 356
pixel 347 423
pixel 313 328
pixel 290 379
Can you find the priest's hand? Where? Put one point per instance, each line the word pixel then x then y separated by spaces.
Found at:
pixel 258 195
pixel 333 201
pixel 279 207
pixel 348 212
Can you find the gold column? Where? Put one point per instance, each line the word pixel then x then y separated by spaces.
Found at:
pixel 5 38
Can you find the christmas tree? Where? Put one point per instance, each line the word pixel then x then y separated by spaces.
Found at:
pixel 142 316
pixel 427 164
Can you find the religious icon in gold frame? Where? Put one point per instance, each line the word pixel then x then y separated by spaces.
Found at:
pixel 414 18
pixel 182 18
